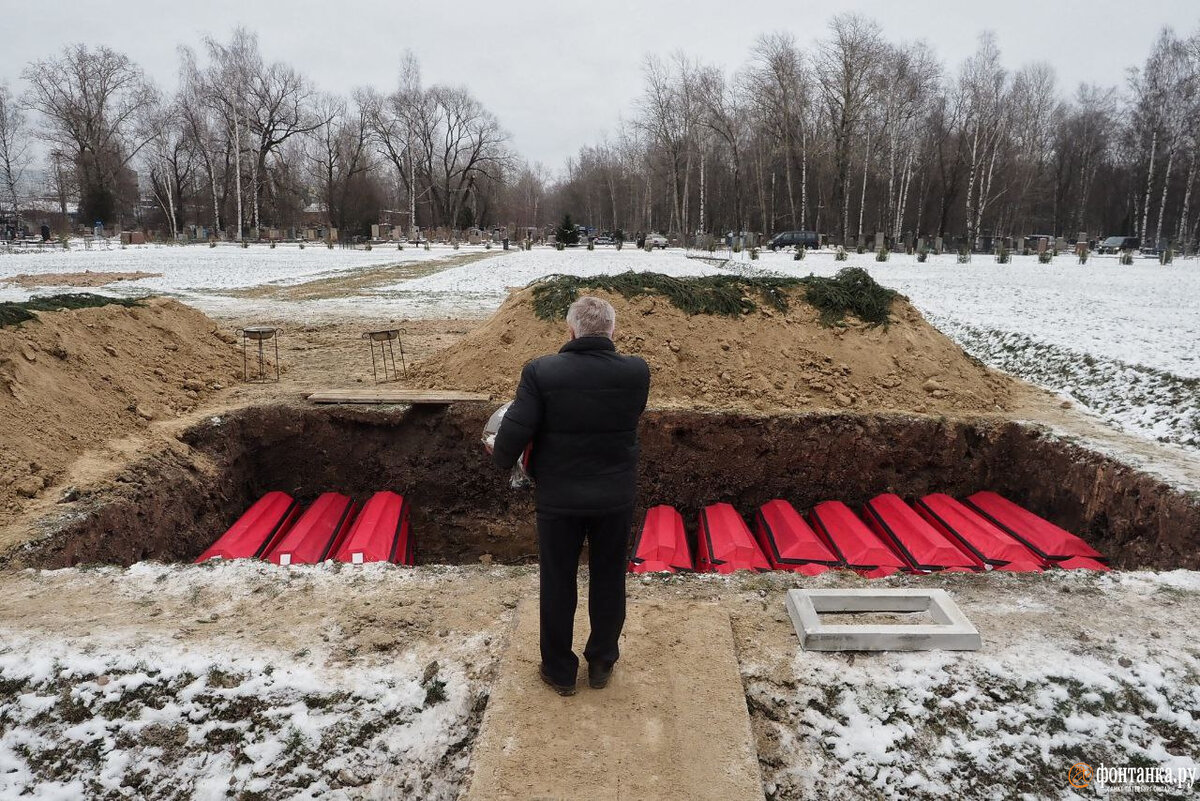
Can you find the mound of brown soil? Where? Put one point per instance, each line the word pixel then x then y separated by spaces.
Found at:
pixel 71 380
pixel 765 361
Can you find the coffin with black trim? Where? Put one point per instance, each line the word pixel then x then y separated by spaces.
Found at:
pixel 382 533
pixel 976 535
pixel 852 541
pixel 788 542
pixel 315 536
pixel 1039 535
pixel 921 545
pixel 725 542
pixel 256 531
pixel 661 545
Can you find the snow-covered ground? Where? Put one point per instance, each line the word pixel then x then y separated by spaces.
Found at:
pixel 1056 683
pixel 202 275
pixel 481 287
pixel 248 680
pixel 172 699
pixel 1121 341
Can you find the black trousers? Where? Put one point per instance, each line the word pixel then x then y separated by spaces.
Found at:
pixel 560 542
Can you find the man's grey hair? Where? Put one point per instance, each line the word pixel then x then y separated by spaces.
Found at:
pixel 592 317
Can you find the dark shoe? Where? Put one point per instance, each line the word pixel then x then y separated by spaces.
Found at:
pixel 562 689
pixel 598 676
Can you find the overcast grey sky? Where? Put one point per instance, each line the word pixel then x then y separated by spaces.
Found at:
pixel 558 74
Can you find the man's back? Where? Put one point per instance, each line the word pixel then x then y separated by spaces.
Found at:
pixel 581 408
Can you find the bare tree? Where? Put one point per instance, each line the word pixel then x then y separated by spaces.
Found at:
pixel 668 114
pixel 14 151
pixel 204 128
pixel 225 90
pixel 170 159
pixel 846 69
pixel 338 151
pixel 910 78
pixel 90 101
pixel 778 81
pixel 724 116
pixel 982 86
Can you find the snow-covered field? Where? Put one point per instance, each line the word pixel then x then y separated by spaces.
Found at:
pixel 201 275
pixel 1121 341
pixel 481 287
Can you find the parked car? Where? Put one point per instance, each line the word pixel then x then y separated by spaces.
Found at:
pixel 656 241
pixel 791 239
pixel 1118 244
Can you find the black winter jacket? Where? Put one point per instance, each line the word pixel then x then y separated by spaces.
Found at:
pixel 580 409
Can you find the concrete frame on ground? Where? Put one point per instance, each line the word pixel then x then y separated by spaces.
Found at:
pixel 951 631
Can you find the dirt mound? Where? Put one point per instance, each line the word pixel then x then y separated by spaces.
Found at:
pixel 766 360
pixel 72 379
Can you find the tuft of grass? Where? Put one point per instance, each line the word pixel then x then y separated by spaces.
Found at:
pixel 851 291
pixel 14 313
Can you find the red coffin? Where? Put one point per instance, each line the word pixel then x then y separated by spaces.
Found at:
pixel 976 535
pixel 257 530
pixel 788 542
pixel 315 536
pixel 1082 563
pixel 725 543
pixel 661 546
pixel 852 542
pixel 917 541
pixel 1040 536
pixel 380 534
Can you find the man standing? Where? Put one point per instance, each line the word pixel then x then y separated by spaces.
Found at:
pixel 579 409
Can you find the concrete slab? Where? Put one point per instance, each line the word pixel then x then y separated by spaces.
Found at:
pixel 950 631
pixel 671 724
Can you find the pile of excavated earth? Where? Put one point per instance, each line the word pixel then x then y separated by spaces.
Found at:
pixel 74 379
pixel 766 360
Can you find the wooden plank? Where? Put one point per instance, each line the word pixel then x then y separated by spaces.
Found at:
pixel 671 724
pixel 379 395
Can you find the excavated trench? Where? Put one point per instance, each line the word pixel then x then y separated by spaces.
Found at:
pixel 173 505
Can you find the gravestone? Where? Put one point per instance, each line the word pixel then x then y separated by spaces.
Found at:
pixel 1060 244
pixel 937 245
pixel 1042 243
pixel 920 243
pixel 879 241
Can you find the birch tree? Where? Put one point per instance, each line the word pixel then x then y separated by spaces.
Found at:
pixel 14 152
pixel 846 69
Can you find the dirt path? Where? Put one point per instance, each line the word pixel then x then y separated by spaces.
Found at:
pixel 353 282
pixel 671 724
pixel 87 278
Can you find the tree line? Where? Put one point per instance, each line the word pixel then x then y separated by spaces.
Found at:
pixel 850 135
pixel 847 134
pixel 248 144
